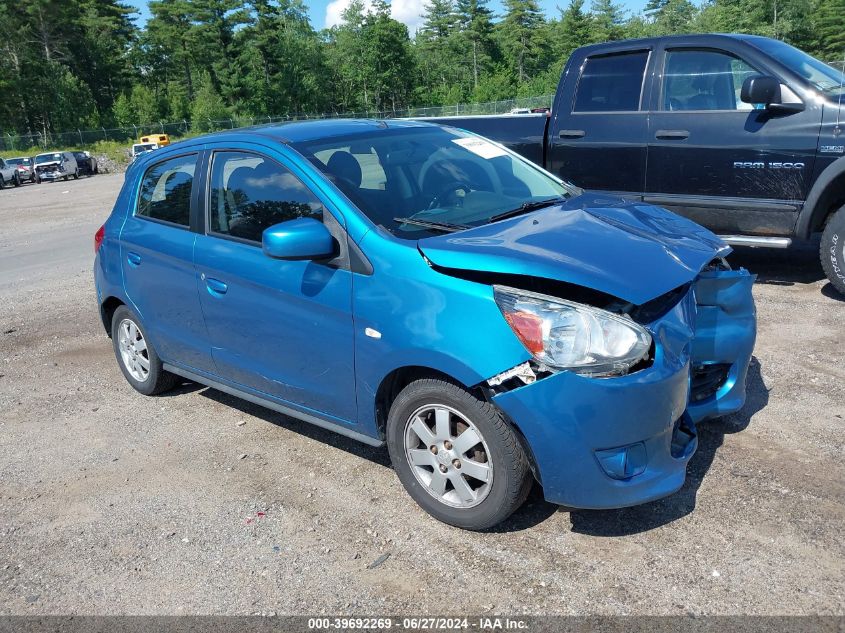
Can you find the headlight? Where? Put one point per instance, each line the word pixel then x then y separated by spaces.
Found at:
pixel 566 335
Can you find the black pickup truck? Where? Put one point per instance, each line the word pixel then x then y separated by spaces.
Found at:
pixel 742 134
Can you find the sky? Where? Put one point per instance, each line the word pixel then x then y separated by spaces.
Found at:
pixel 327 12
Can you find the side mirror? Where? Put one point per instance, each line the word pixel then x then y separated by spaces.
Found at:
pixel 760 89
pixel 303 238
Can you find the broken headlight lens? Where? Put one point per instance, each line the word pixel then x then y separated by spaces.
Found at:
pixel 567 335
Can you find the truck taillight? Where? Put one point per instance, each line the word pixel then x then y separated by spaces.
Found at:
pixel 98 237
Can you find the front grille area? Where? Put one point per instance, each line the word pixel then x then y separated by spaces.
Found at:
pixel 656 308
pixel 707 380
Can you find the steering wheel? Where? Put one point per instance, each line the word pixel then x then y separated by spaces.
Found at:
pixel 451 188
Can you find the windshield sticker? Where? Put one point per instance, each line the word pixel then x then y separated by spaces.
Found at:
pixel 480 147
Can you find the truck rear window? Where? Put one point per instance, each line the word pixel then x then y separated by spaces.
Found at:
pixel 611 83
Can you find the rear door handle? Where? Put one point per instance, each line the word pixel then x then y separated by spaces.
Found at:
pixel 133 258
pixel 215 286
pixel 572 134
pixel 672 135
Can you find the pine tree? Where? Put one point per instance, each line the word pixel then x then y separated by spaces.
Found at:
pixel 608 19
pixel 208 107
pixel 829 30
pixel 523 41
pixel 475 32
pixel 573 30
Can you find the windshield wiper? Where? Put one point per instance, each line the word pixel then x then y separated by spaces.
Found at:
pixel 526 207
pixel 432 224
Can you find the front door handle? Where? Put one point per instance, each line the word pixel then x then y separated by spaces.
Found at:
pixel 133 258
pixel 572 134
pixel 672 135
pixel 215 286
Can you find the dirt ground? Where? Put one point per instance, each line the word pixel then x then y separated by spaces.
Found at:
pixel 115 503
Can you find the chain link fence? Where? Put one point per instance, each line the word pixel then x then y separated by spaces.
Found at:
pixel 10 141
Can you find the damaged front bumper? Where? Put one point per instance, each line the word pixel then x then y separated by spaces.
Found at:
pixel 615 442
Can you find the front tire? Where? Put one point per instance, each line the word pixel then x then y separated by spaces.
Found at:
pixel 456 455
pixel 832 250
pixel 76 174
pixel 136 356
pixel 16 180
pixel 2 183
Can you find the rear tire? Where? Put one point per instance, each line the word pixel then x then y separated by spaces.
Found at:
pixel 832 250
pixel 2 183
pixel 466 483
pixel 136 356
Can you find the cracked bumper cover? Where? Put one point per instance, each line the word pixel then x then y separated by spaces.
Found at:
pixel 615 442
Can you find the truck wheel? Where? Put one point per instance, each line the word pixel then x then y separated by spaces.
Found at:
pixel 2 183
pixel 832 250
pixel 76 174
pixel 456 455
pixel 16 180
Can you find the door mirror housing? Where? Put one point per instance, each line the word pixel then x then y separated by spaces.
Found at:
pixel 765 91
pixel 760 89
pixel 302 238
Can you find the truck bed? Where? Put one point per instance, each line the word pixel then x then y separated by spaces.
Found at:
pixel 522 133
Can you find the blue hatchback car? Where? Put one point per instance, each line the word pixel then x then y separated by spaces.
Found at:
pixel 416 285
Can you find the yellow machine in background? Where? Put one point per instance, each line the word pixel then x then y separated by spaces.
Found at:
pixel 159 139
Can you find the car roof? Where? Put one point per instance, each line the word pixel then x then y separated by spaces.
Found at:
pixel 302 131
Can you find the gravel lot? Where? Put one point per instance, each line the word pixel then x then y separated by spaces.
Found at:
pixel 114 503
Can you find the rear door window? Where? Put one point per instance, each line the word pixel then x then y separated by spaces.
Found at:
pixel 611 83
pixel 165 193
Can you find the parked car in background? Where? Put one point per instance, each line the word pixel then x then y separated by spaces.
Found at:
pixel 26 168
pixel 56 165
pixel 742 134
pixel 142 148
pixel 8 174
pixel 87 163
pixel 416 285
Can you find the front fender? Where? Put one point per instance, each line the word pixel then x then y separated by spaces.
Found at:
pixel 820 199
pixel 409 315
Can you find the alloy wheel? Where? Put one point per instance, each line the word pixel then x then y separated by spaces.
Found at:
pixel 133 350
pixel 448 456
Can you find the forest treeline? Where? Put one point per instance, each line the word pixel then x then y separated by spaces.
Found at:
pixel 68 64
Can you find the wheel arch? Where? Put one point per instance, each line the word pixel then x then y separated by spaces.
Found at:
pixel 399 378
pixel 107 310
pixel 827 195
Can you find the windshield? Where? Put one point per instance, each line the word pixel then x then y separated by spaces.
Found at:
pixel 17 161
pixel 821 76
pixel 423 180
pixel 47 158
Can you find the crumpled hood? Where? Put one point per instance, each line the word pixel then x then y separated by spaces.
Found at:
pixel 633 251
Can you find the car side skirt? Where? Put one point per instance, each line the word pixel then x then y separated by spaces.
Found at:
pixel 270 404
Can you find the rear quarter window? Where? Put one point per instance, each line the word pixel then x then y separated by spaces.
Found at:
pixel 165 193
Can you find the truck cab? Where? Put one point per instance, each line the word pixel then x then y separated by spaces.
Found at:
pixel 666 120
pixel 742 134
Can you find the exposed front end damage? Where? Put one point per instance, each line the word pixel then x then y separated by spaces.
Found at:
pixel 624 440
pixel 51 171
